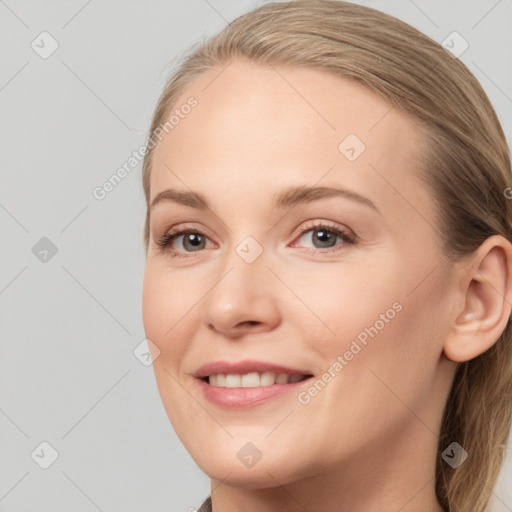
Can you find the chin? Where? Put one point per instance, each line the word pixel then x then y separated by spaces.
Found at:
pixel 257 477
pixel 232 465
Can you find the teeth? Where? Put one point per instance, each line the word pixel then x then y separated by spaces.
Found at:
pixel 282 378
pixel 233 381
pixel 267 379
pixel 252 379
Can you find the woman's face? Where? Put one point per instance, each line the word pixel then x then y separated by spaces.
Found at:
pixel 347 288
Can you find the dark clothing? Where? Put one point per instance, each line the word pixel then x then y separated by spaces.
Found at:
pixel 206 506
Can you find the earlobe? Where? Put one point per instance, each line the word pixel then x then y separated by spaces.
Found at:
pixel 487 286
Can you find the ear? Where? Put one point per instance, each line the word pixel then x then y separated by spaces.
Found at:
pixel 485 283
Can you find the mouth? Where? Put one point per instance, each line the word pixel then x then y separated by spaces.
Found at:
pixel 253 379
pixel 248 383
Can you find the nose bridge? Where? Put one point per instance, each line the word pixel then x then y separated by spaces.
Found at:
pixel 246 259
pixel 243 275
pixel 242 295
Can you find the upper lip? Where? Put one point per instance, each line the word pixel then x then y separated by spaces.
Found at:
pixel 243 367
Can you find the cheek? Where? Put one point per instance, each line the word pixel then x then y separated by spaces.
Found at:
pixel 153 305
pixel 347 299
pixel 377 303
pixel 167 303
pixel 388 338
pixel 167 306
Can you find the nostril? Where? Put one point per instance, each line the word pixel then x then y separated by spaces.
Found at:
pixel 248 323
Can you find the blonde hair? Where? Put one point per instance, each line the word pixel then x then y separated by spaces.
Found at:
pixel 466 166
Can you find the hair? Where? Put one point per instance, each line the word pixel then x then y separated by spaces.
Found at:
pixel 465 165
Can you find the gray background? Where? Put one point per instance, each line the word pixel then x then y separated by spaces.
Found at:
pixel 69 324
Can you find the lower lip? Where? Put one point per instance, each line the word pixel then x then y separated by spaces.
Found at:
pixel 239 398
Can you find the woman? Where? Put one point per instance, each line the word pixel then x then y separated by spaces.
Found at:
pixel 329 267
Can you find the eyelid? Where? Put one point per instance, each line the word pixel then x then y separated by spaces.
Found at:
pixel 170 234
pixel 347 237
pixel 318 223
pixel 179 227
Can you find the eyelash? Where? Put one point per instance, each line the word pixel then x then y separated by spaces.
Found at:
pixel 164 242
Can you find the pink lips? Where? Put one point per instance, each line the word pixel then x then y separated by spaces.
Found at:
pixel 240 398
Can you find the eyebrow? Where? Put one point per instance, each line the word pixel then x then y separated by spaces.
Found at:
pixel 288 198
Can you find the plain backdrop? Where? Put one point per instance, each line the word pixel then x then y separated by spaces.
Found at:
pixel 78 84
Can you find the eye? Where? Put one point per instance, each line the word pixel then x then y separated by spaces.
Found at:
pixel 187 240
pixel 324 236
pixel 181 243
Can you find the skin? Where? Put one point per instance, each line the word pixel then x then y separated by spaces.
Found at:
pixel 368 440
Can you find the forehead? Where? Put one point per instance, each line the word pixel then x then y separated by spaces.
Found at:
pixel 285 125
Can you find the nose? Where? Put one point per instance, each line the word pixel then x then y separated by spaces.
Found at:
pixel 244 299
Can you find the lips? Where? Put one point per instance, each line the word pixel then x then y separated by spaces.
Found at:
pixel 248 383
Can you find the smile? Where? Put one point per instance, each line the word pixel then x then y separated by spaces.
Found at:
pixel 244 384
pixel 253 379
